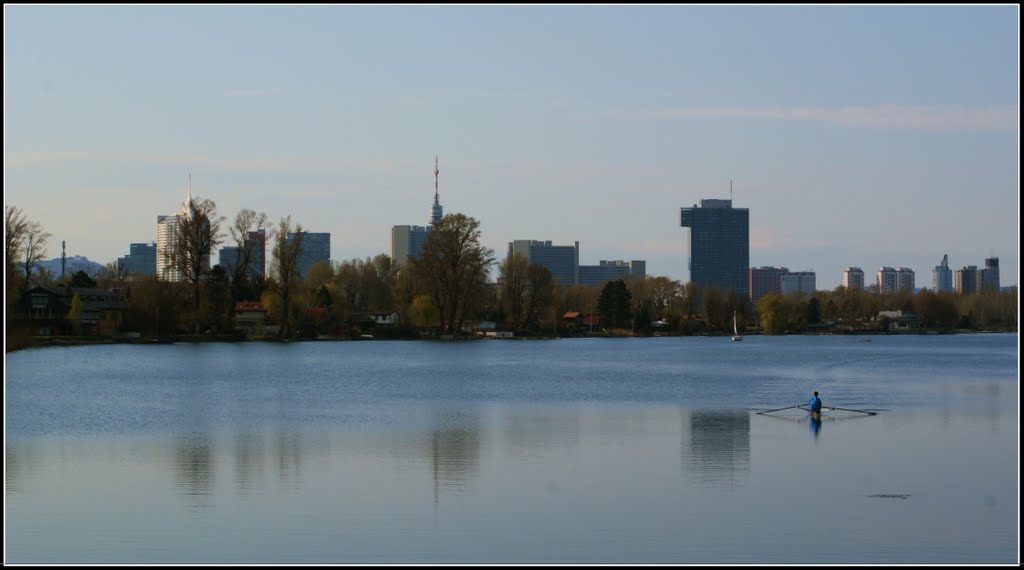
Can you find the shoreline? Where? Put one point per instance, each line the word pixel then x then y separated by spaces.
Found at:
pixel 87 341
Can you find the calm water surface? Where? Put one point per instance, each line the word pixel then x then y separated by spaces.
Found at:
pixel 561 451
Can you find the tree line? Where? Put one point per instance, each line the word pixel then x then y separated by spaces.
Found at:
pixel 447 287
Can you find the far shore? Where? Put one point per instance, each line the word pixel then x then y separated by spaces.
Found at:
pixel 38 342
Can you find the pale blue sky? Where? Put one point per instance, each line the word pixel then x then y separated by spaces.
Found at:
pixel 856 135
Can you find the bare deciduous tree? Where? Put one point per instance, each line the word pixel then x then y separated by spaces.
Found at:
pixel 24 245
pixel 512 272
pixel 284 267
pixel 454 268
pixel 113 276
pixel 247 222
pixel 540 292
pixel 196 236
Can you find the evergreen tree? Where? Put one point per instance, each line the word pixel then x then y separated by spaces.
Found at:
pixel 613 304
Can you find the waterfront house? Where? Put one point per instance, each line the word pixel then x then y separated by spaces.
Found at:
pixel 480 328
pixel 573 318
pixel 380 319
pixel 46 310
pixel 103 310
pixel 581 321
pixel 250 317
pixel 43 310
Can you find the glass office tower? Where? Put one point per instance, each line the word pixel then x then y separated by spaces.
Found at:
pixel 719 245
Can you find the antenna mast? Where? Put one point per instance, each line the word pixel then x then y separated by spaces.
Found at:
pixel 730 190
pixel 436 171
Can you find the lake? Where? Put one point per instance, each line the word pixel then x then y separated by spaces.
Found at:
pixel 604 451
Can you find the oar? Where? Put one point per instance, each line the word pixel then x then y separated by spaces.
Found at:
pixel 780 409
pixel 849 410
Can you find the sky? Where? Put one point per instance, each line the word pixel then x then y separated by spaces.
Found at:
pixel 862 136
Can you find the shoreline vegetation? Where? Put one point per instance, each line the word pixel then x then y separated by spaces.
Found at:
pixel 454 289
pixel 15 342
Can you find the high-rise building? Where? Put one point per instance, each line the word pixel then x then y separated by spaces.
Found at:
pixel 257 242
pixel 407 241
pixel 166 238
pixel 965 280
pixel 990 275
pixel 605 271
pixel 942 276
pixel 140 261
pixel 719 245
pixel 563 261
pixel 797 282
pixel 315 246
pixel 887 280
pixel 764 280
pixel 853 278
pixel 228 258
pixel 905 279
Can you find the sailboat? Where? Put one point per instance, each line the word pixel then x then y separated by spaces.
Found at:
pixel 735 330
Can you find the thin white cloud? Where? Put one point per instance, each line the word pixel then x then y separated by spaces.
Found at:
pixel 901 117
pixel 772 240
pixel 254 92
pixel 14 160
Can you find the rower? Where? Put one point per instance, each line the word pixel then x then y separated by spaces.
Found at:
pixel 815 404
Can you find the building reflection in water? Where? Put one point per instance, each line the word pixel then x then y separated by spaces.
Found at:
pixel 532 434
pixel 249 457
pixel 454 449
pixel 194 469
pixel 287 446
pixel 448 443
pixel 717 451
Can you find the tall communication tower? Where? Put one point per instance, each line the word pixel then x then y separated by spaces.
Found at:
pixel 436 212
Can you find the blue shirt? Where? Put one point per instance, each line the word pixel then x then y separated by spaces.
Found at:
pixel 815 404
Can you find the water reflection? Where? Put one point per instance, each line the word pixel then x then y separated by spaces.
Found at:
pixel 455 449
pixel 719 447
pixel 193 468
pixel 533 434
pixel 288 456
pixel 816 425
pixel 22 461
pixel 249 457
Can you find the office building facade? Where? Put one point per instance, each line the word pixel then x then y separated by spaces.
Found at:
pixel 563 261
pixel 797 282
pixel 605 271
pixel 719 245
pixel 942 276
pixel 257 243
pixel 765 280
pixel 314 247
pixel 989 280
pixel 407 242
pixel 140 261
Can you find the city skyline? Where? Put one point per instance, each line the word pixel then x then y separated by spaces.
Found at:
pixel 893 142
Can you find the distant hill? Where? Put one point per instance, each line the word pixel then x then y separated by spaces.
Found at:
pixel 75 263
